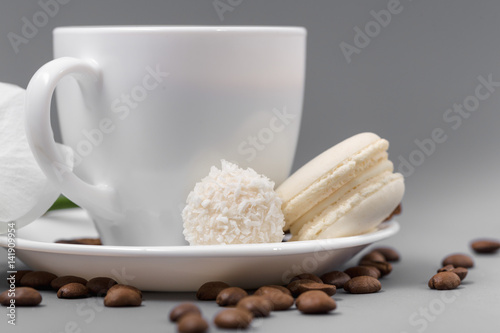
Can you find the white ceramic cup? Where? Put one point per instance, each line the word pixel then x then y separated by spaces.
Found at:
pixel 148 111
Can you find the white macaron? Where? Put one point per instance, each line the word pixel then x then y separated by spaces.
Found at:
pixel 347 190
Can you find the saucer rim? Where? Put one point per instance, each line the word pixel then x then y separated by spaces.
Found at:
pixel 384 230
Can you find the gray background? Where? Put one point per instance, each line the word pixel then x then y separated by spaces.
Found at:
pixel 400 85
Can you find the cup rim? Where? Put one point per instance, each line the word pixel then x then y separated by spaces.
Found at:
pixel 180 29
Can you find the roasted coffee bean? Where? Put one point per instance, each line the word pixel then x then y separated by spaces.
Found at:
pixel 336 278
pixel 384 267
pixel 73 290
pixel 24 296
pixel 281 300
pixel 119 297
pixel 389 253
pixel 485 246
pixel 192 323
pixel 233 318
pixel 57 283
pixel 209 291
pixel 315 301
pixel 259 306
pixel 19 275
pixel 444 281
pixel 362 285
pixel 293 286
pixel 447 268
pixel 39 280
pixel 99 286
pixel 81 241
pixel 300 286
pixel 126 286
pixel 183 309
pixel 306 276
pixel 230 296
pixel 458 260
pixel 363 271
pixel 372 256
pixel 460 271
pixel 265 289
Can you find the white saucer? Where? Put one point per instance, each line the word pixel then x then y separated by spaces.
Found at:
pixel 179 268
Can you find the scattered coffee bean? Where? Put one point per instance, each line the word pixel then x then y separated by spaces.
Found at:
pixel 336 278
pixel 99 286
pixel 373 256
pixel 126 286
pixel 362 285
pixel 233 318
pixel 209 291
pixel 192 323
pixel 485 246
pixel 281 300
pixel 460 271
pixel 307 276
pixel 81 241
pixel 384 267
pixel 19 275
pixel 458 260
pixel 230 296
pixel 389 253
pixel 264 289
pixel 315 301
pixel 57 283
pixel 119 297
pixel 183 309
pixel 259 306
pixel 444 281
pixel 363 271
pixel 25 296
pixel 447 268
pixel 300 286
pixel 73 290
pixel 39 280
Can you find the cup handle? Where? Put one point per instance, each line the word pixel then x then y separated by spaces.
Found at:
pixel 99 198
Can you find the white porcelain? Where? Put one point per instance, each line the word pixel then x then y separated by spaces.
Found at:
pixel 148 111
pixel 180 268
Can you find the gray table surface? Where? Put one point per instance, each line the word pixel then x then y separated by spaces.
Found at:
pixel 431 229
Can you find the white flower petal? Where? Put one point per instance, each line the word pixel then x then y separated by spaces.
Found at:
pixel 25 192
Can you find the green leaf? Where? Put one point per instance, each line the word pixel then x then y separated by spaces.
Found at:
pixel 63 203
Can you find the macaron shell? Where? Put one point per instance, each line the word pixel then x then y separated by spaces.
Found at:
pixel 361 212
pixel 347 189
pixel 340 169
pixel 322 164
